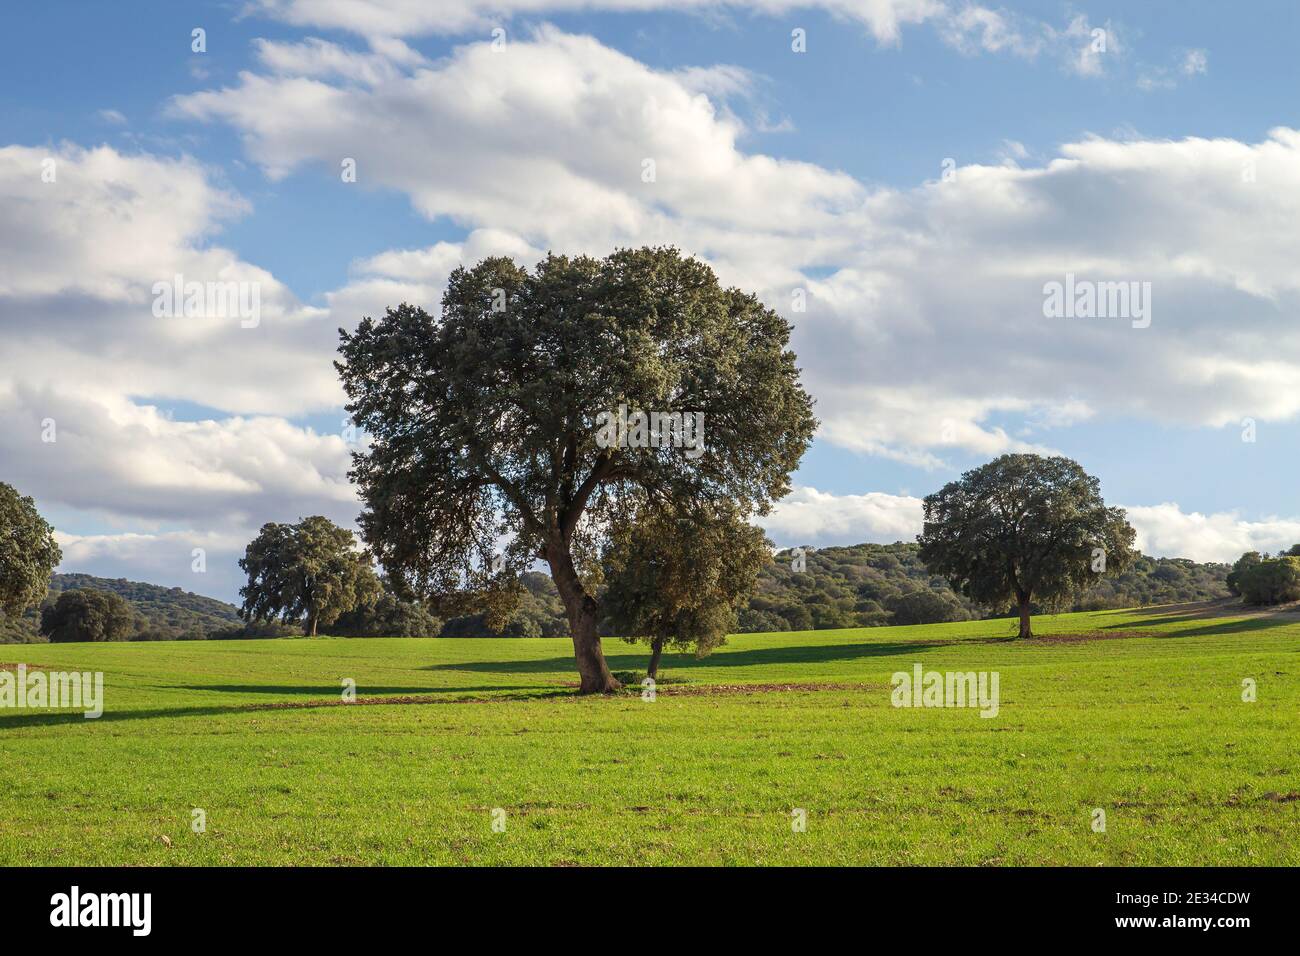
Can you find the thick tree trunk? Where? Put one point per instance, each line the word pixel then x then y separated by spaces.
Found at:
pixel 583 614
pixel 587 651
pixel 656 650
pixel 1024 615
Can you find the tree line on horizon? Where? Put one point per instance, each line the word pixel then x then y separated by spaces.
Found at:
pixel 862 585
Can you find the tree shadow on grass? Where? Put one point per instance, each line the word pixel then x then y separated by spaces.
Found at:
pixel 789 654
pixel 1128 625
pixel 333 691
pixel 1194 609
pixel 1235 627
pixel 1213 613
pixel 1261 622
pixel 328 697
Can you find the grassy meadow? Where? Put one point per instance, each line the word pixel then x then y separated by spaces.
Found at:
pixel 1138 713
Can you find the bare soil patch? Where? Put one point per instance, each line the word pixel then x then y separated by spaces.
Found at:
pixel 366 701
pixel 706 690
pixel 711 690
pixel 1083 637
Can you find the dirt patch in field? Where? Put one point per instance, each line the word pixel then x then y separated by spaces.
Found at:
pixel 1079 637
pixel 1083 637
pixel 564 691
pixel 706 690
pixel 712 690
pixel 4 666
pixel 1275 797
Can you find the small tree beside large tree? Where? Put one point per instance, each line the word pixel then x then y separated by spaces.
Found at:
pixel 28 552
pixel 492 422
pixel 677 579
pixel 309 571
pixel 1024 528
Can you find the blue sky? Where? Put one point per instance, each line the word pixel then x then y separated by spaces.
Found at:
pixel 878 111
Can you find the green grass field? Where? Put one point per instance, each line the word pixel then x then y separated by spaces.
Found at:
pixel 1139 714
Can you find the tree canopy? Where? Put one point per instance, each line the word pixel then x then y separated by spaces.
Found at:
pixel 926 606
pixel 86 614
pixel 389 616
pixel 1240 568
pixel 539 404
pixel 1024 527
pixel 309 571
pixel 1267 580
pixel 28 552
pixel 677 579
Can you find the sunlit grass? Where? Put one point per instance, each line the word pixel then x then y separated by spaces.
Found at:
pixel 1151 729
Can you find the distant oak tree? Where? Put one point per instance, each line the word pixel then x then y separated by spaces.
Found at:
pixel 486 448
pixel 926 606
pixel 1024 527
pixel 88 614
pixel 1270 580
pixel 309 571
pixel 1239 570
pixel 389 616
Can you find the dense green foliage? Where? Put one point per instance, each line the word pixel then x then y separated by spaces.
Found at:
pixel 676 578
pixel 87 615
pixel 28 553
pixel 255 630
pixel 926 606
pixel 22 630
pixel 1269 581
pixel 837 587
pixel 1023 528
pixel 857 586
pixel 494 420
pixel 1240 567
pixel 1150 581
pixel 389 616
pixel 863 585
pixel 165 613
pixel 309 571
pixel 534 611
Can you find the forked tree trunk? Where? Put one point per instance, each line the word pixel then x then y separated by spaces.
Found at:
pixel 311 625
pixel 583 614
pixel 656 650
pixel 1023 600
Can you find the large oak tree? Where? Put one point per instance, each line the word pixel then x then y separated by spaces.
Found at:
pixel 28 552
pixel 1024 527
pixel 486 423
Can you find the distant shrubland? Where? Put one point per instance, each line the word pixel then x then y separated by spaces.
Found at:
pixel 863 585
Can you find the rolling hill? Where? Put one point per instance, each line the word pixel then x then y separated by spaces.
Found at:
pixel 165 613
